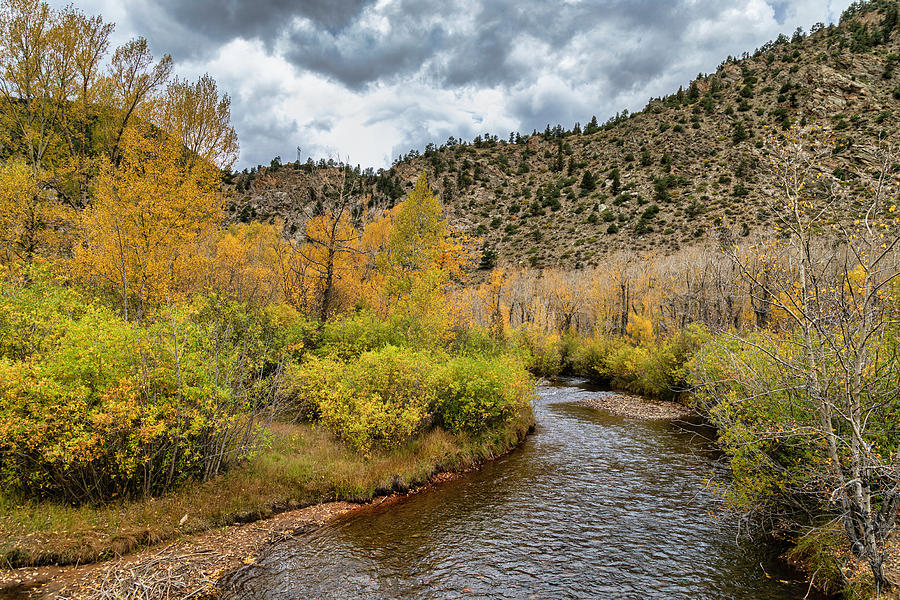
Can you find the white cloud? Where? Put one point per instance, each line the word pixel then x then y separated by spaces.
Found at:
pixel 495 66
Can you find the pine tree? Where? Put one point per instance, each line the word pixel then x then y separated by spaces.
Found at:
pixel 588 182
pixel 740 132
pixel 559 164
pixel 488 258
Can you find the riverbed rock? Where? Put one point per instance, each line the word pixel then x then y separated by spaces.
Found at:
pixel 636 407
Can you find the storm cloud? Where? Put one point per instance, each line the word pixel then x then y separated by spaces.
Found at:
pixel 365 80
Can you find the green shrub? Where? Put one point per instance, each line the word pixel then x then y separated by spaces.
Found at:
pixel 541 352
pixel 729 375
pixel 382 398
pixel 478 394
pixel 593 359
pixel 33 316
pixel 386 397
pixel 61 441
pixel 656 371
pixel 303 386
pixel 94 408
pixel 476 340
pixel 351 336
pixel 569 349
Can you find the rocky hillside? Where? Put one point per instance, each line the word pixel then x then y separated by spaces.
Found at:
pixel 662 179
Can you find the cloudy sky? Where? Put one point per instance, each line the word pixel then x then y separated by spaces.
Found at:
pixel 368 80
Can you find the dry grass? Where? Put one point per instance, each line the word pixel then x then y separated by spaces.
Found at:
pixel 302 465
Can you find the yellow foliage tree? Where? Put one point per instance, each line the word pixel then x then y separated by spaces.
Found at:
pixel 492 300
pixel 129 90
pixel 242 262
pixel 640 327
pixel 200 118
pixel 148 214
pixel 57 107
pixel 324 271
pixel 418 255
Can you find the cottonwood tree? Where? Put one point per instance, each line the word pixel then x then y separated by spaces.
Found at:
pixel 150 209
pixel 331 247
pixel 200 118
pixel 34 58
pixel 242 262
pixel 60 110
pixel 76 76
pixel 23 213
pixel 322 272
pixel 133 80
pixel 29 39
pixel 156 193
pixel 810 409
pixel 419 255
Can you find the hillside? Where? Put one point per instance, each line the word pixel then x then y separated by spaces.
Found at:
pixel 661 179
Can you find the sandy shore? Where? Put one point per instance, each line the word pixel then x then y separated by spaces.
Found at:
pixel 635 407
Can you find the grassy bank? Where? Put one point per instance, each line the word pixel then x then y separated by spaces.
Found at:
pixel 301 465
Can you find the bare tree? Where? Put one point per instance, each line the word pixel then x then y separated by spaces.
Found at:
pixel 329 238
pixel 813 399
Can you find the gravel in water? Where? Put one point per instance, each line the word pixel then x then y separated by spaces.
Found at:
pixel 635 407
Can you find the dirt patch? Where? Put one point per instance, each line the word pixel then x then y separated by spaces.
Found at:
pixel 892 564
pixel 635 407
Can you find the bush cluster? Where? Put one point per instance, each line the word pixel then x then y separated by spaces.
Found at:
pixel 93 407
pixel 634 363
pixel 385 397
pixel 657 370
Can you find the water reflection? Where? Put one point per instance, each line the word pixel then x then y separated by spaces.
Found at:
pixel 592 505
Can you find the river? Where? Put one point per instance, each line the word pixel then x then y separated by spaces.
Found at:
pixel 591 506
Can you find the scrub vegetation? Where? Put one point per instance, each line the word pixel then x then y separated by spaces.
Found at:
pixel 178 351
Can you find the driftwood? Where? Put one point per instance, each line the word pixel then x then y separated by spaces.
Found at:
pixel 164 575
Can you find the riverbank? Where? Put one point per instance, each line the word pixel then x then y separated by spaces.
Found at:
pixel 188 567
pixel 818 556
pixel 193 566
pixel 303 466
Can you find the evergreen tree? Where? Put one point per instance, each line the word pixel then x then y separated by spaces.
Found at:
pixel 588 182
pixel 559 165
pixel 488 258
pixel 693 92
pixel 889 22
pixel 740 132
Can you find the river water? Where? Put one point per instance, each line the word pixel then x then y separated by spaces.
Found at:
pixel 591 506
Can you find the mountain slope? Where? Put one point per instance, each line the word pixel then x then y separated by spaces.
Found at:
pixel 661 179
